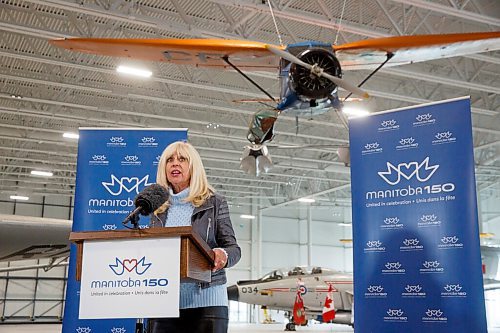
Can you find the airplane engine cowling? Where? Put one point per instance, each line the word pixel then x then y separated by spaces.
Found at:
pixel 309 85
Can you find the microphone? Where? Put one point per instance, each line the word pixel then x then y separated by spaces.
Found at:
pixel 146 202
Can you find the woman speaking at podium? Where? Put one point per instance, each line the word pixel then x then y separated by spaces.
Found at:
pixel 193 202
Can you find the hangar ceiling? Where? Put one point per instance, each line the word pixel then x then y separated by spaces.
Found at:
pixel 46 91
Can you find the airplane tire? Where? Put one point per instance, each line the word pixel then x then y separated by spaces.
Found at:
pixel 290 327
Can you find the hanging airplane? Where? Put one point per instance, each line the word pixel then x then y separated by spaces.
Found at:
pixel 310 72
pixel 277 290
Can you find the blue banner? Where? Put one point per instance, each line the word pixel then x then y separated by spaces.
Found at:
pixel 113 166
pixel 417 262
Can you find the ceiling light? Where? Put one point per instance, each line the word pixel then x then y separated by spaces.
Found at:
pixel 353 111
pixel 248 217
pixel 345 224
pixel 41 173
pixel 71 135
pixel 134 71
pixel 307 200
pixel 213 125
pixel 19 197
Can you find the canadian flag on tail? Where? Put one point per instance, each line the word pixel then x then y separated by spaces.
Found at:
pixel 328 308
pixel 299 312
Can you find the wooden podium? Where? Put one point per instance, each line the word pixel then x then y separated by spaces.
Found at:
pixel 196 256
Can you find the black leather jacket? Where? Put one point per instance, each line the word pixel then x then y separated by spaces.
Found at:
pixel 212 222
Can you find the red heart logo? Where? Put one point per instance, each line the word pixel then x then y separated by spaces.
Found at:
pixel 129 264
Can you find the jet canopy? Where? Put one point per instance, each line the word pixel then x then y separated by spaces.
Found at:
pixel 296 271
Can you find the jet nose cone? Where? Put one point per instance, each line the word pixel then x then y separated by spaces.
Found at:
pixel 232 293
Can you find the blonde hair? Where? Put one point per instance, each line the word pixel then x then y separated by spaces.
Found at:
pixel 199 188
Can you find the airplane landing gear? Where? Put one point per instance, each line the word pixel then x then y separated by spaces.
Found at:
pixel 290 326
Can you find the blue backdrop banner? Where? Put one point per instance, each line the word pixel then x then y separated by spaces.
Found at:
pixel 113 166
pixel 417 262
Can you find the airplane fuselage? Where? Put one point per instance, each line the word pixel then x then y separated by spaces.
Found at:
pixel 280 293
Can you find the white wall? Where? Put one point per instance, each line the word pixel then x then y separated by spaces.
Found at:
pixel 285 241
pixel 58 207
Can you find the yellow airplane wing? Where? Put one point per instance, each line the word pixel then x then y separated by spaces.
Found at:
pixel 370 53
pixel 364 54
pixel 198 52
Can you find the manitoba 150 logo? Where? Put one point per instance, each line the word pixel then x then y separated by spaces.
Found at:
pixel 115 190
pixel 398 176
pixel 129 273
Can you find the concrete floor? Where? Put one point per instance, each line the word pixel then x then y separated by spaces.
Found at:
pixel 233 328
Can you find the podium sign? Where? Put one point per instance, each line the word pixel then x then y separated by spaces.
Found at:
pixel 136 278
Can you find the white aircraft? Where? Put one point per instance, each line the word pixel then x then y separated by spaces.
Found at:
pixel 277 290
pixel 27 237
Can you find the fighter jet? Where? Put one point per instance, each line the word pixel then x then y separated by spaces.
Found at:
pixel 277 290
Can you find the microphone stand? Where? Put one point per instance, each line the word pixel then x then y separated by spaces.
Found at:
pixel 134 220
pixel 139 325
pixel 133 217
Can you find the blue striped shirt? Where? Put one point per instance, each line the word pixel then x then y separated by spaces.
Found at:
pixel 191 295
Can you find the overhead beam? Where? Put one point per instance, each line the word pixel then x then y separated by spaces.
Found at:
pixel 451 11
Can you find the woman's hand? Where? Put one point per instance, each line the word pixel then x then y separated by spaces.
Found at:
pixel 220 259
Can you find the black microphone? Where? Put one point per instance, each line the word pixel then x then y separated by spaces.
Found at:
pixel 146 202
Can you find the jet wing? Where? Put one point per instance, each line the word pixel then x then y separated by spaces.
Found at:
pixel 364 54
pixel 26 237
pixel 370 53
pixel 198 52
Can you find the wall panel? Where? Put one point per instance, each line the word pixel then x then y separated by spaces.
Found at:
pixel 276 229
pixel 279 255
pixel 328 256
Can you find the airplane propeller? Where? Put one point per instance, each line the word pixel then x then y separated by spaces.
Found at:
pixel 318 71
